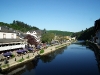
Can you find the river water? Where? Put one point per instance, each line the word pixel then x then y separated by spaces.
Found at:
pixel 74 59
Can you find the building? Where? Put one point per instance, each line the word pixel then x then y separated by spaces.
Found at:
pixel 36 33
pixel 9 40
pixel 73 38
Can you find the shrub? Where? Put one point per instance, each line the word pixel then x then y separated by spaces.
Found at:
pixel 41 51
pixel 20 60
pixel 13 56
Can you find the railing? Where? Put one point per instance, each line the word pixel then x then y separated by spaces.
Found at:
pixel 11 47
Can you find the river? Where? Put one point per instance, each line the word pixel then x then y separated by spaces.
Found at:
pixel 74 59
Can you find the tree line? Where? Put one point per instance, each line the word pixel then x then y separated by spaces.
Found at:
pixel 62 33
pixel 86 34
pixel 18 25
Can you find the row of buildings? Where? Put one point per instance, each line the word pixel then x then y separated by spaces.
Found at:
pixel 12 39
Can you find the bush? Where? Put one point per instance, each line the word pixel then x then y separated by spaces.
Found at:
pixel 13 56
pixel 20 60
pixel 41 51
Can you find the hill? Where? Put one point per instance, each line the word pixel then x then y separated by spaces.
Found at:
pixel 85 34
pixel 57 32
pixel 18 25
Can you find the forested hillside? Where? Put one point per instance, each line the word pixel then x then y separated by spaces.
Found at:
pixel 63 33
pixel 18 25
pixel 85 34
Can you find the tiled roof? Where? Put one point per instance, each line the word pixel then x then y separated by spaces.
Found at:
pixel 21 35
pixel 6 29
pixel 39 32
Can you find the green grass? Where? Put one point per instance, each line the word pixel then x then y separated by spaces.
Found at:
pixel 13 56
pixel 41 51
pixel 27 57
pixel 20 60
pixel 5 65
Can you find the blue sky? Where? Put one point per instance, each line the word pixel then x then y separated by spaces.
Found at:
pixel 65 15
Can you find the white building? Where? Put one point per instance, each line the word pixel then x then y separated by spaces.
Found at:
pixel 73 38
pixel 36 34
pixel 9 40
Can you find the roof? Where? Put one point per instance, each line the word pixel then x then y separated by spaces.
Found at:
pixel 21 35
pixel 6 29
pixel 39 32
pixel 10 40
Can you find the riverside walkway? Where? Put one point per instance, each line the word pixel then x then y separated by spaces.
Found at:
pixel 30 56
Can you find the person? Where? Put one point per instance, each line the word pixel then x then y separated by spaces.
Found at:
pixel 6 61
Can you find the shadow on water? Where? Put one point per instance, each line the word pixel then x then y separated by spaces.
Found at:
pixel 51 56
pixel 93 48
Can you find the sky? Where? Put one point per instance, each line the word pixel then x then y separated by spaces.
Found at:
pixel 64 15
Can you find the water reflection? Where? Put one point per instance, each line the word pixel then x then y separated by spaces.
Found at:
pixel 51 56
pixel 97 55
pixel 96 52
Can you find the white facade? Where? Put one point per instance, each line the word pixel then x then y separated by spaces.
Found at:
pixel 32 33
pixel 4 35
pixel 12 47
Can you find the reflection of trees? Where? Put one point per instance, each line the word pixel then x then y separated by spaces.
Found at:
pixel 95 49
pixel 97 55
pixel 49 57
pixel 32 64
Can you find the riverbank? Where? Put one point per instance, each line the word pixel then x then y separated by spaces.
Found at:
pixel 94 45
pixel 30 56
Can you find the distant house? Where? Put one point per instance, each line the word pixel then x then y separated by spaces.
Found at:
pixel 97 31
pixel 36 33
pixel 73 38
pixel 9 40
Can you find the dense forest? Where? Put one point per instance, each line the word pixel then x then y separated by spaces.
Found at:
pixel 58 32
pixel 18 25
pixel 86 34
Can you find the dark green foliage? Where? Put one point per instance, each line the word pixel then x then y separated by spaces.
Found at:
pixel 86 34
pixel 41 51
pixel 63 33
pixel 47 37
pixel 18 25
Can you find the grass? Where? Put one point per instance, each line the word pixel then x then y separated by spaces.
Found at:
pixel 20 60
pixel 13 56
pixel 5 65
pixel 27 57
pixel 41 51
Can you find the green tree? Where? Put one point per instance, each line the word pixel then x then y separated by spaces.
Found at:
pixel 47 37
